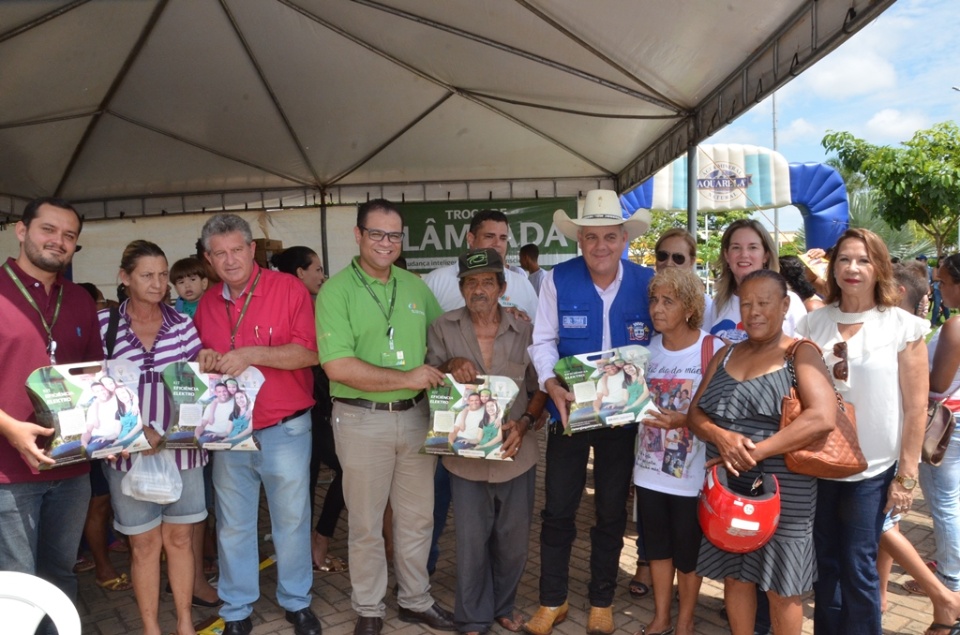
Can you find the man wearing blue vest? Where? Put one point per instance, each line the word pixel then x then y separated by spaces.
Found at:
pixel 591 303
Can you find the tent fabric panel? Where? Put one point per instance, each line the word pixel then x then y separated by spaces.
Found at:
pixel 605 141
pixel 36 156
pixel 343 100
pixel 194 79
pixel 123 159
pixel 461 140
pixel 57 69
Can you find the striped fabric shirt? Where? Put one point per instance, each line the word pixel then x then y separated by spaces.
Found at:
pixel 176 341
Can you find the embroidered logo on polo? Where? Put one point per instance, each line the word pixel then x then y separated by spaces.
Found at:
pixel 415 309
pixel 638 332
pixel 574 321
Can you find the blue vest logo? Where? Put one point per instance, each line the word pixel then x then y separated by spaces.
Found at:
pixel 638 332
pixel 574 321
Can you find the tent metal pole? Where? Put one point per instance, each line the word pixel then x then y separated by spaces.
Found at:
pixel 692 189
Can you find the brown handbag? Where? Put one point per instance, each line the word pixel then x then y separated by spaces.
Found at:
pixel 936 438
pixel 837 454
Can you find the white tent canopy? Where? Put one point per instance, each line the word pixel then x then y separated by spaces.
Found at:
pixel 156 106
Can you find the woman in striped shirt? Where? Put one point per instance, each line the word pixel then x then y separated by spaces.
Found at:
pixel 152 335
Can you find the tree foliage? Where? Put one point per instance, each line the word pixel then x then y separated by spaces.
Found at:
pixel 919 181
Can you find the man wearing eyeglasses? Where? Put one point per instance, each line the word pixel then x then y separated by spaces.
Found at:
pixel 372 321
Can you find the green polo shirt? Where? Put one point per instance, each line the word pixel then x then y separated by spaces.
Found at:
pixel 351 324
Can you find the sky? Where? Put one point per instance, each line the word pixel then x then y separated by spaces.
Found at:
pixel 894 77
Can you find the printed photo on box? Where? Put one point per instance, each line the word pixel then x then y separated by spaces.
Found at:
pixel 211 411
pixel 94 410
pixel 608 387
pixel 467 419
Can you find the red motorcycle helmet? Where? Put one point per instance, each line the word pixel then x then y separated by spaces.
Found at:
pixel 738 523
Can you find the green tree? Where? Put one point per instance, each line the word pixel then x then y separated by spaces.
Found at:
pixel 919 181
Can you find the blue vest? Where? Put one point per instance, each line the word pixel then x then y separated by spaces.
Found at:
pixel 580 310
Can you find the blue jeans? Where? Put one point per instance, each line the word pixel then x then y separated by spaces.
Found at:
pixel 565 479
pixel 40 527
pixel 846 535
pixel 283 466
pixel 941 487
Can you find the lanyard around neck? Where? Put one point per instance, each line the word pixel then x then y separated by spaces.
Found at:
pixel 243 312
pixel 388 315
pixel 51 344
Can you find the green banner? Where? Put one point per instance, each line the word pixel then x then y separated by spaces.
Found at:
pixel 436 233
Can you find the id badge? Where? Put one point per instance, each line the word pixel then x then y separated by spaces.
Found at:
pixel 392 359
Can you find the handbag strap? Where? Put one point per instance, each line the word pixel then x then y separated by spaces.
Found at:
pixel 791 354
pixel 706 353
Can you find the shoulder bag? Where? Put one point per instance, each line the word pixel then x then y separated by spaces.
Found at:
pixel 836 455
pixel 936 438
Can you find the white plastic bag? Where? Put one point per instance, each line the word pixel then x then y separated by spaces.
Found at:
pixel 153 478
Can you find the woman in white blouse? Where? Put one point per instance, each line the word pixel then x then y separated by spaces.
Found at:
pixel 878 358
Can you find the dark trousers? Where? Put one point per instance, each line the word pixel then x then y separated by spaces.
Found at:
pixel 325 452
pixel 441 508
pixel 846 535
pixel 492 541
pixel 566 477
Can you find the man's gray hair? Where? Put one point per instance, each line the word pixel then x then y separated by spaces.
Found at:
pixel 221 224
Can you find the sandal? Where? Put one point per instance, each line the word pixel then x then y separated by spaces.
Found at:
pixel 913 587
pixel 952 629
pixel 513 623
pixel 119 583
pixel 83 565
pixel 331 564
pixel 638 589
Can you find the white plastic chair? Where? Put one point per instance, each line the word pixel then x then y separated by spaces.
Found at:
pixel 25 599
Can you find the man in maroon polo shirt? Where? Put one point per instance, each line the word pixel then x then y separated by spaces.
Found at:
pixel 262 318
pixel 45 316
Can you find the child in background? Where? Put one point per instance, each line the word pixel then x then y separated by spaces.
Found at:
pixel 190 279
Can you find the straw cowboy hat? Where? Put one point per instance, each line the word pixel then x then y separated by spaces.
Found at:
pixel 602 209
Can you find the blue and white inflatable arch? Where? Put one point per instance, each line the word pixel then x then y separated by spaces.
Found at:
pixel 745 177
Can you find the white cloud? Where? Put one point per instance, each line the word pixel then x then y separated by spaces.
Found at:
pixel 851 73
pixel 798 129
pixel 892 126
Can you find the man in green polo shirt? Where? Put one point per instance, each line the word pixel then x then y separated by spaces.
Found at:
pixel 372 321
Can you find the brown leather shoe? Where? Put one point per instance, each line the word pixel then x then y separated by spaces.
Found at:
pixel 600 621
pixel 546 618
pixel 368 626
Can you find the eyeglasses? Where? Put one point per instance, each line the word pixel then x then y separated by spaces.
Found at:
pixel 376 235
pixel 678 259
pixel 841 370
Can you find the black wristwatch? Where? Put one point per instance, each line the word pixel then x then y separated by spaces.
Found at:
pixel 531 420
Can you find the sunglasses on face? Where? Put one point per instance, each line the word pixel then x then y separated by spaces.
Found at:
pixel 678 259
pixel 841 370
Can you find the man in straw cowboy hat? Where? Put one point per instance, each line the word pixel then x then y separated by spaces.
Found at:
pixel 591 303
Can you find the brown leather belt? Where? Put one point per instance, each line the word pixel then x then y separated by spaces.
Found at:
pixel 392 406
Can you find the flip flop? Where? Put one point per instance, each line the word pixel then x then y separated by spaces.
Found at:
pixel 952 629
pixel 119 583
pixel 83 565
pixel 331 564
pixel 638 589
pixel 513 623
pixel 913 587
pixel 643 631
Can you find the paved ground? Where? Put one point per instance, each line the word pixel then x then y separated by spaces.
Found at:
pixel 110 613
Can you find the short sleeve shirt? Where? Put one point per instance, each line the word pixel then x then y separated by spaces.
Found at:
pixel 351 323
pixel 279 313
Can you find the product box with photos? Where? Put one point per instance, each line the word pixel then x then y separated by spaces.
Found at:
pixel 210 410
pixel 93 409
pixel 609 388
pixel 466 419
